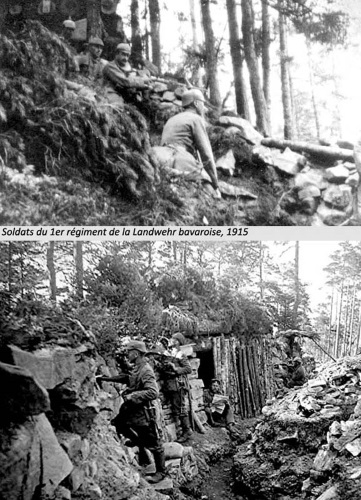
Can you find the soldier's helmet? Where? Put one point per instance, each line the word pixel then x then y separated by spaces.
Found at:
pixel 69 24
pixel 95 40
pixel 191 96
pixel 137 345
pixel 123 47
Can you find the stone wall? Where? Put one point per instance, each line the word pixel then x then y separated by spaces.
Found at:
pixel 56 440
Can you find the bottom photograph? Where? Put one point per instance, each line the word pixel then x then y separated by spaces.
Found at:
pixel 180 370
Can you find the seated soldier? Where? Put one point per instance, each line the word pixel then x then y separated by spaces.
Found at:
pixel 187 131
pixel 122 80
pixel 298 375
pixel 217 406
pixel 90 63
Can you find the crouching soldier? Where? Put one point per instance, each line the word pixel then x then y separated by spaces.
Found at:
pixel 186 137
pixel 137 419
pixel 174 373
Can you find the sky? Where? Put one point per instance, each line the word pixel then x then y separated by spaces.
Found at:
pixel 346 63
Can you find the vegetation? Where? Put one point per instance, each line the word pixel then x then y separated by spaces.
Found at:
pixel 140 290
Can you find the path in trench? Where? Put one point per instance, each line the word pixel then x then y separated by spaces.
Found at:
pixel 218 484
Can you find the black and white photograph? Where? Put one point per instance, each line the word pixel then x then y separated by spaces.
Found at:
pixel 180 370
pixel 192 113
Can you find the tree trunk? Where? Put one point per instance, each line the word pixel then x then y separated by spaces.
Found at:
pixel 237 59
pixel 136 36
pixel 329 345
pixel 94 21
pixel 10 267
pixel 196 77
pixel 352 320
pixel 51 269
pixel 358 334
pixel 154 16
pixel 305 147
pixel 252 63
pixel 266 59
pixel 211 62
pixel 286 98
pixel 296 284
pixel 261 258
pixel 312 86
pixel 338 327
pixel 79 269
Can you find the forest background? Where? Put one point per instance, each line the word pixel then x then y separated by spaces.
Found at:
pixel 295 63
pixel 57 290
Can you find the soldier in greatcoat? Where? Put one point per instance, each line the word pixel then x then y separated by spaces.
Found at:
pixel 137 419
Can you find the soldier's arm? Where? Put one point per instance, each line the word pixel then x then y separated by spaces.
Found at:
pixel 122 378
pixel 121 80
pixel 184 366
pixel 150 389
pixel 204 147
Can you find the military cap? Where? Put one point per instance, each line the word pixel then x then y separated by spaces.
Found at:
pixel 180 337
pixel 69 24
pixel 189 96
pixel 123 47
pixel 95 40
pixel 137 345
pixel 297 360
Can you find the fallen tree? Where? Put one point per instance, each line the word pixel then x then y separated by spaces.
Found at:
pixel 334 153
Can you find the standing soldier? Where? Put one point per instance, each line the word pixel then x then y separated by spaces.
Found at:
pixel 137 418
pixel 176 386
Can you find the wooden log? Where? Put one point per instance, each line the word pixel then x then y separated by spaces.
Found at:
pixel 242 382
pixel 248 379
pixel 333 153
pixel 245 382
pixel 255 377
pixel 236 379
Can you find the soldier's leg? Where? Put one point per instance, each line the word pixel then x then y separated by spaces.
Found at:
pixel 150 439
pixel 174 398
pixel 184 418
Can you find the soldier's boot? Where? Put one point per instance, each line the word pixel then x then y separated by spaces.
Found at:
pixel 187 431
pixel 159 460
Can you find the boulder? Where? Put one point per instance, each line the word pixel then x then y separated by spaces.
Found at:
pixel 49 366
pixel 173 450
pixel 289 162
pixel 20 462
pixel 168 96
pixel 353 179
pixel 332 216
pixel 329 494
pixel 338 196
pixel 55 462
pixel 308 192
pixel 310 177
pixel 248 132
pixel 227 164
pixel 235 191
pixel 22 395
pixel 337 174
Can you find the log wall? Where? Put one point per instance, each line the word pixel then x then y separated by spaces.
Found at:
pixel 245 370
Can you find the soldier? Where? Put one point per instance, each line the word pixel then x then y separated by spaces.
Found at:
pixel 90 63
pixel 137 419
pixel 176 389
pixel 122 80
pixel 68 30
pixel 298 375
pixel 187 130
pixel 222 413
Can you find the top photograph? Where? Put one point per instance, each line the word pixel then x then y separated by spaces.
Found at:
pixel 169 113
